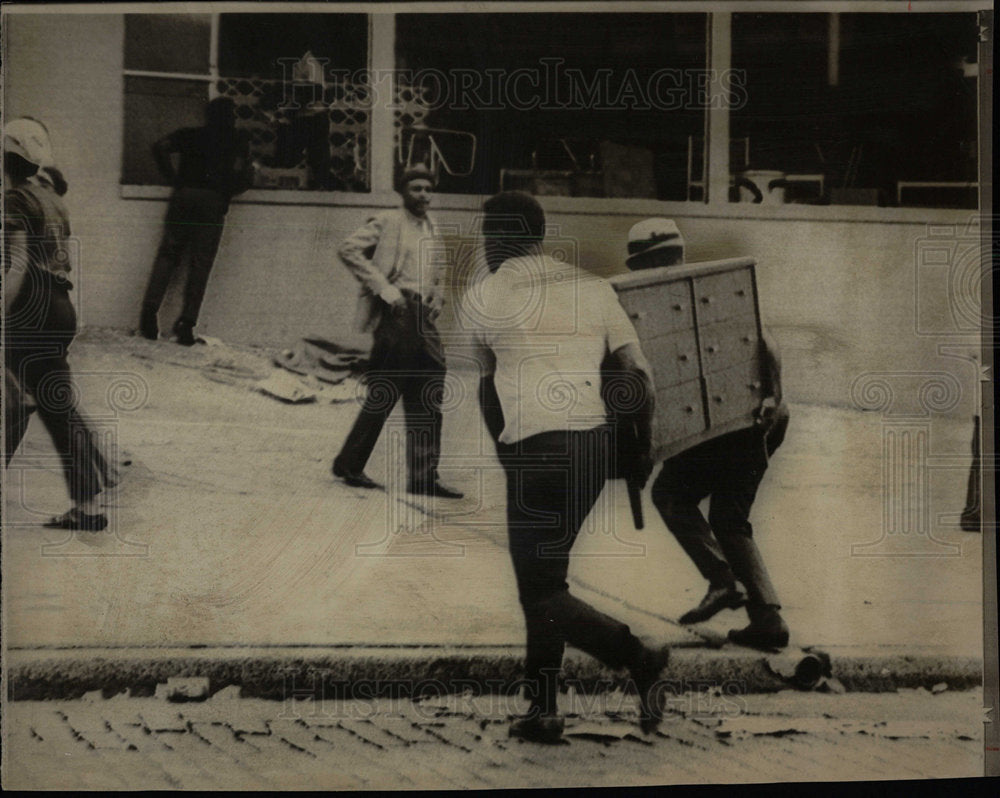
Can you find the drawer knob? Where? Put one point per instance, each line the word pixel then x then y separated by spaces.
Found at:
pixel 741 292
pixel 678 307
pixel 689 409
pixel 638 314
pixel 682 358
pixel 718 399
pixel 747 339
pixel 706 299
pixel 713 349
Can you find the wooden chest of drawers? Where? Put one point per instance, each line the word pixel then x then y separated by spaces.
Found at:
pixel 699 327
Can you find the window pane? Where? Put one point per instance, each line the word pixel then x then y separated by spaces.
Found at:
pixel 255 45
pixel 168 42
pixel 155 107
pixel 291 76
pixel 573 104
pixel 857 108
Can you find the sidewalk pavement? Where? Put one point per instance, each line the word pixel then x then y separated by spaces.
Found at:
pixel 461 742
pixel 229 530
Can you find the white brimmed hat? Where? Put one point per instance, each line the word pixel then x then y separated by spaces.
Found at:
pixel 650 235
pixel 28 138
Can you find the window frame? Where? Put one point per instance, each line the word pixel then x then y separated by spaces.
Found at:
pixel 137 191
pixel 717 178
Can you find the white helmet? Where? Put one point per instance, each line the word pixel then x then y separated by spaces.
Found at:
pixel 651 235
pixel 28 138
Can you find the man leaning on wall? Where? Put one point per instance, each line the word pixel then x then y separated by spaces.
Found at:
pixel 214 166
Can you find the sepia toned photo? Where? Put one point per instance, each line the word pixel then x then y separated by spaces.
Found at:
pixel 447 395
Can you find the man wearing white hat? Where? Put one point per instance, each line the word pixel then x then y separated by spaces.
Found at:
pixel 40 322
pixel 653 243
pixel 729 469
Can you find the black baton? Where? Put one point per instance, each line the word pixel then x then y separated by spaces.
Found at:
pixel 635 500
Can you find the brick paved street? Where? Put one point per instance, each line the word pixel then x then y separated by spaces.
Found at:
pixel 461 742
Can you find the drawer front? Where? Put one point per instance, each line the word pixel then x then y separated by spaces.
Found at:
pixel 734 392
pixel 673 358
pixel 658 309
pixel 680 413
pixel 724 296
pixel 727 343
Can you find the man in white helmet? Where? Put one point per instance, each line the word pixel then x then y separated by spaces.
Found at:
pixel 40 323
pixel 729 469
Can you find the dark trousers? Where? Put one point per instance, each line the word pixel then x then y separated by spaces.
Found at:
pixel 193 226
pixel 407 361
pixel 729 469
pixel 35 355
pixel 553 481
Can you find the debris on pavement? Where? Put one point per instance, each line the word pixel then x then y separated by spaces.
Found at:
pixel 228 693
pixel 183 688
pixel 805 669
pixel 762 726
pixel 293 389
pixel 145 743
pixel 287 388
pixel 592 730
pixel 325 360
pixel 940 687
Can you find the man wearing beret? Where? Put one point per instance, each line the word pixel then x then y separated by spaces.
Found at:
pixel 401 297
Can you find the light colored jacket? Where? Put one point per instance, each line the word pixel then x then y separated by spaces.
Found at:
pixel 372 254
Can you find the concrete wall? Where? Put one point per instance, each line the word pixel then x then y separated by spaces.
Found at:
pixel 839 296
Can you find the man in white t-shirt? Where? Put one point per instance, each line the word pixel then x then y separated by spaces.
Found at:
pixel 542 330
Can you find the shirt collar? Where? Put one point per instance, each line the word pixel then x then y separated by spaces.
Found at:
pixel 418 221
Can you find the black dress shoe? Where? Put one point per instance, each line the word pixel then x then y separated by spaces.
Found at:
pixel 148 325
pixel 538 728
pixel 184 330
pixel 646 674
pixel 436 489
pixel 77 519
pixel 356 479
pixel 716 600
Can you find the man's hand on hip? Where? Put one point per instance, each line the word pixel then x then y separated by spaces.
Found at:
pixel 392 296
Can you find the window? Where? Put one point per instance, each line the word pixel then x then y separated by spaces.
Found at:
pixel 819 108
pixel 596 105
pixel 307 130
pixel 856 109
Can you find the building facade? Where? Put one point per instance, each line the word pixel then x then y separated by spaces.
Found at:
pixel 867 245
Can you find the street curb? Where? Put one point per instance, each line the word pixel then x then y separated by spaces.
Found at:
pixel 369 672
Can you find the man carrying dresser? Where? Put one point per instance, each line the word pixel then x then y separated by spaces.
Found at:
pixel 728 469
